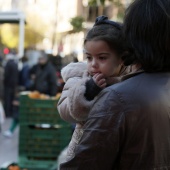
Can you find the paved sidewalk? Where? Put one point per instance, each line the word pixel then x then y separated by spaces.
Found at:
pixel 8 146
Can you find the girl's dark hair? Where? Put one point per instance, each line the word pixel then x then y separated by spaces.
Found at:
pixel 108 31
pixel 147 31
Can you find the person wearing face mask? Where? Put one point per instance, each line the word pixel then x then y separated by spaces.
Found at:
pixel 45 80
pixel 103 48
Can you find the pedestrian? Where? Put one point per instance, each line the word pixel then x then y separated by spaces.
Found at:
pixel 2 113
pixel 104 47
pixel 128 127
pixel 15 119
pixel 45 80
pixel 24 75
pixel 33 71
pixel 1 81
pixel 24 84
pixel 11 74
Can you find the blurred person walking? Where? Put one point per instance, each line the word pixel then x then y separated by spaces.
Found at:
pixel 1 81
pixel 2 116
pixel 45 76
pixel 24 75
pixel 10 83
pixel 15 118
pixel 24 84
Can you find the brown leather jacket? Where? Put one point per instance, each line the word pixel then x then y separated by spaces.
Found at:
pixel 128 127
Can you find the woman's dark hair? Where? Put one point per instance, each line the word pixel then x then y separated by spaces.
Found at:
pixel 108 31
pixel 147 31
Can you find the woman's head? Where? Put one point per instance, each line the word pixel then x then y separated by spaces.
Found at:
pixel 147 30
pixel 103 47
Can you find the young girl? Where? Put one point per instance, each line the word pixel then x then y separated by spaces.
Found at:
pixel 103 48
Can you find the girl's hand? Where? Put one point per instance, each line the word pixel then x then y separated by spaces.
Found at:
pixel 100 80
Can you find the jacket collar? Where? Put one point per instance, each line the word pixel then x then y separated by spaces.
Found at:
pixel 132 74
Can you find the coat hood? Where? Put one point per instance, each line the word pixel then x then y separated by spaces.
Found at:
pixel 73 70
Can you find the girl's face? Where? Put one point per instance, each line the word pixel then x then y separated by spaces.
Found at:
pixel 101 59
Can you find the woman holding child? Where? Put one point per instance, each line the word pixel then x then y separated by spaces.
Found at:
pixel 123 122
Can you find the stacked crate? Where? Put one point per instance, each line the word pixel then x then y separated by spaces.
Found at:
pixel 43 134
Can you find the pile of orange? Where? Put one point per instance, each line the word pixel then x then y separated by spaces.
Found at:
pixel 13 167
pixel 38 95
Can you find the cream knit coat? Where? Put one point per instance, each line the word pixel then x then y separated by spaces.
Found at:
pixel 73 106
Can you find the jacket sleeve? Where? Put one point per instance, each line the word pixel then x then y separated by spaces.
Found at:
pixel 73 106
pixel 98 146
pixel 92 90
pixel 64 103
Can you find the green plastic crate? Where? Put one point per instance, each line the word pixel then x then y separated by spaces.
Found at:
pixel 40 117
pixel 37 111
pixel 43 134
pixel 36 164
pixel 43 143
pixel 40 103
